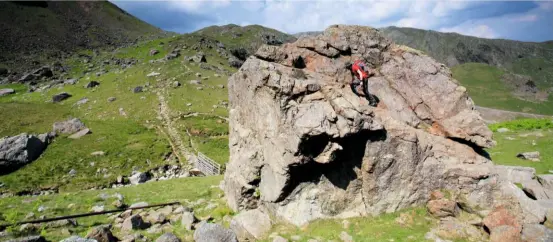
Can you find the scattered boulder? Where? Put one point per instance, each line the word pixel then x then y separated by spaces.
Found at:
pixel 176 84
pixel 111 99
pixel 102 234
pixel 235 62
pixel 152 74
pixel 154 52
pixel 70 81
pixel 75 238
pixel 207 232
pixel 82 101
pixel 168 237
pixel 345 237
pixel 98 153
pixel 505 233
pixel 198 57
pixel 195 82
pixel 533 156
pixel 155 217
pixel 6 91
pixel 199 88
pixel 503 130
pixel 536 233
pixel 134 222
pixel 97 209
pixel 198 74
pixel 138 89
pixel 17 151
pixel 92 84
pixel 221 86
pixel 69 127
pixel 44 71
pixel 188 219
pixel 252 225
pixel 80 134
pixel 139 204
pixel 442 208
pixel 139 177
pixel 60 97
pixel 174 54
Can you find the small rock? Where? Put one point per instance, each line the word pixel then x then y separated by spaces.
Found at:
pixel 138 89
pixel 97 209
pixel 92 84
pixel 118 204
pixel 536 233
pixel 133 222
pixel 60 97
pixel 5 92
pixel 102 234
pixel 139 204
pixel 111 99
pixel 207 232
pixel 533 156
pixel 221 86
pixel 198 74
pixel 188 219
pixel 77 239
pixel 154 52
pixel 345 237
pixel 295 237
pixel 69 127
pixel 279 239
pixel 33 238
pixel 503 130
pixel 80 134
pixel 72 172
pixel 195 82
pixel 156 218
pixel 97 153
pixel 70 82
pixel 176 84
pixel 505 233
pixel 189 104
pixel 442 208
pixel 82 101
pixel 168 237
pixel 41 209
pixel 152 74
pixel 139 177
pixel 200 88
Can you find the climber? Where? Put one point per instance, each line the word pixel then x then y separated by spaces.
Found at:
pixel 361 75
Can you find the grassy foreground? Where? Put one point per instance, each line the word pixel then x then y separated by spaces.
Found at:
pixel 524 135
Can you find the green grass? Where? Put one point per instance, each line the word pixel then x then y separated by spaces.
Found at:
pixel 183 190
pixel 524 136
pixel 380 228
pixel 485 87
pixel 540 69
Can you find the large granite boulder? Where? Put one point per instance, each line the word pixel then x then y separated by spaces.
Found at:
pixel 304 146
pixel 17 151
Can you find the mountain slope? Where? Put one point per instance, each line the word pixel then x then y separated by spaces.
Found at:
pixel 33 31
pixel 248 37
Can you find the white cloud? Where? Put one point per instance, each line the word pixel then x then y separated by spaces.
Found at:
pixel 482 31
pixel 198 6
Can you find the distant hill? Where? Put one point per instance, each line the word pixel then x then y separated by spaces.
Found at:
pixel 248 37
pixel 35 31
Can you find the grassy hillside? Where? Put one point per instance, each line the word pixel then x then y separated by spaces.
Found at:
pixel 485 86
pixel 130 130
pixel 35 33
pixel 249 37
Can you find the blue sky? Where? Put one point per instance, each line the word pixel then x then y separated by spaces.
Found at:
pixel 525 20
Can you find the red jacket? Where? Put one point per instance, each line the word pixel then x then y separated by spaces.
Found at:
pixel 360 70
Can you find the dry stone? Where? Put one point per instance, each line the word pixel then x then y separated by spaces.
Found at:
pixel 338 156
pixel 208 232
pixel 252 225
pixel 69 127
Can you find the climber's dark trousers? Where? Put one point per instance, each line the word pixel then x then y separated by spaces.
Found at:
pixel 368 96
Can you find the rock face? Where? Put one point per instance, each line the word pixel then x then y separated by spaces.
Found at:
pixel 304 146
pixel 20 150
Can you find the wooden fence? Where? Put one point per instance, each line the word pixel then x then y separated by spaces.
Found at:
pixel 207 166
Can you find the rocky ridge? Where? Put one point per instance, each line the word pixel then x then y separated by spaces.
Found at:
pixel 304 147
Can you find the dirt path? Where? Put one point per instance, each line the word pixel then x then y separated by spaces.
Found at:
pixel 176 141
pixel 491 115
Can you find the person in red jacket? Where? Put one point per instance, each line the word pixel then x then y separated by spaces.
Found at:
pixel 361 74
